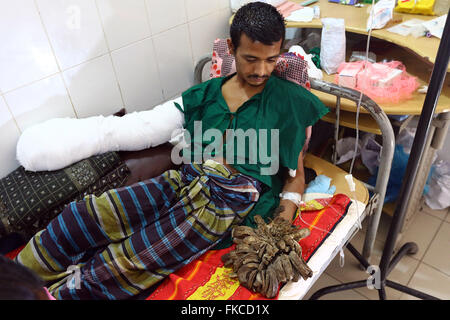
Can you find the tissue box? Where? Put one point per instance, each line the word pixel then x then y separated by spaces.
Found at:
pixel 348 75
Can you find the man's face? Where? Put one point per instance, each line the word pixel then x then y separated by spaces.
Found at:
pixel 255 61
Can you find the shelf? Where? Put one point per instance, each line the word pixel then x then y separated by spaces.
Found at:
pixel 348 119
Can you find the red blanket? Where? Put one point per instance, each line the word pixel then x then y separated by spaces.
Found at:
pixel 207 279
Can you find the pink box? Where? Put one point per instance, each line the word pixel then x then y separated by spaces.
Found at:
pixel 348 75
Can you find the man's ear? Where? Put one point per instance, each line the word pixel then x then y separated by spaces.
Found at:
pixel 231 47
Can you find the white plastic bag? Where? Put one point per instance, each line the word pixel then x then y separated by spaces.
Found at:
pixel 345 149
pixel 332 47
pixel 438 197
pixel 381 14
pixel 313 71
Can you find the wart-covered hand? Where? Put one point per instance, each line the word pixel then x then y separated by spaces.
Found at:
pixel 268 256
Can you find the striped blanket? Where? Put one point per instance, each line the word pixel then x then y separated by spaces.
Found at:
pixel 118 244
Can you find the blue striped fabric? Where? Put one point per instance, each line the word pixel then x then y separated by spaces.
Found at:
pixel 128 239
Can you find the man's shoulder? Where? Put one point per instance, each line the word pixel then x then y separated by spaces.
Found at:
pixel 285 90
pixel 287 87
pixel 201 92
pixel 205 84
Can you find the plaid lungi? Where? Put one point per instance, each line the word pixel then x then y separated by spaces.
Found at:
pixel 118 244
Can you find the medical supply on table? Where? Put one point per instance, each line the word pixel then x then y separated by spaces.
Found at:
pixel 347 76
pixel 332 47
pixel 382 82
pixel 436 26
pixel 349 2
pixel 380 14
pixel 424 7
pixel 286 8
pixel 413 26
pixel 316 10
pixel 321 184
pixel 361 56
pixel 308 2
pixel 305 14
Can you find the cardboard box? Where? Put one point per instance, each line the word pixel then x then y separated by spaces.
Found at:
pixel 348 76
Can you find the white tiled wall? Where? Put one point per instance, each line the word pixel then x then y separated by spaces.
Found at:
pixel 79 58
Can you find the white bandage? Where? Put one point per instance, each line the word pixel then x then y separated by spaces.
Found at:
pixel 295 197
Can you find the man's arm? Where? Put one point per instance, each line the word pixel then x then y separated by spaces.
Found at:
pixel 287 208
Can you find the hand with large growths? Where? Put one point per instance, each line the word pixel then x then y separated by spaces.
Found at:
pixel 267 256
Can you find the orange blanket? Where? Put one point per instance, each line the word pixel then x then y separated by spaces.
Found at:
pixel 207 279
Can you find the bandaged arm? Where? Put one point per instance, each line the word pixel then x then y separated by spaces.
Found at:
pixel 57 143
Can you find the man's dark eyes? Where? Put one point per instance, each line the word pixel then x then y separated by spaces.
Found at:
pixel 268 60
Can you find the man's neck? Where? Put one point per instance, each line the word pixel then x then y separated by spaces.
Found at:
pixel 236 93
pixel 244 86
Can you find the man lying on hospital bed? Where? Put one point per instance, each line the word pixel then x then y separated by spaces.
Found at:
pixel 128 239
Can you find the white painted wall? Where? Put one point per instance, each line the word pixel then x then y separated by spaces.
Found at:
pixel 79 58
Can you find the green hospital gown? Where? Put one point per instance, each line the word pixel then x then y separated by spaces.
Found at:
pixel 282 105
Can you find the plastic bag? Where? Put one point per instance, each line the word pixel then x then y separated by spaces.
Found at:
pixel 383 82
pixel 381 14
pixel 332 47
pixel 345 149
pixel 370 152
pixel 398 169
pixel 406 138
pixel 313 71
pixel 361 56
pixel 403 147
pixel 438 197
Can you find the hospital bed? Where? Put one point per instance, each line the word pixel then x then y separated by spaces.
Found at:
pixel 363 206
pixel 151 162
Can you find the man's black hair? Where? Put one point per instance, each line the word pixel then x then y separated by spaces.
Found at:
pixel 260 22
pixel 18 282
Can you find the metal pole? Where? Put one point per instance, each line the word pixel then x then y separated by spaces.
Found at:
pixel 423 128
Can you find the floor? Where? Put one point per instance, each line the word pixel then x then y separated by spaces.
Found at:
pixel 428 270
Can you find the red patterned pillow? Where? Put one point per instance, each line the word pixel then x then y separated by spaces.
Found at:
pixel 290 66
